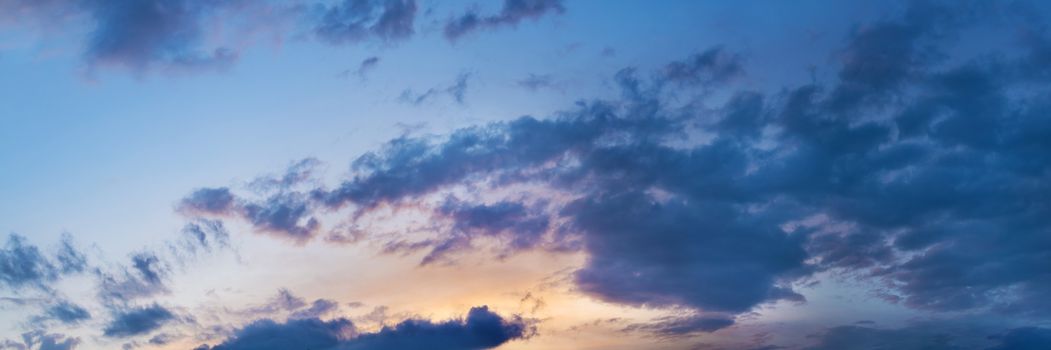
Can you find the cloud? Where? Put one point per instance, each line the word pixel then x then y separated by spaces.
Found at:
pixel 284 214
pixel 482 329
pixel 536 82
pixel 366 66
pixel 196 35
pixel 23 265
pixel 513 12
pixel 682 326
pixel 714 66
pixel 42 340
pixel 67 312
pixel 138 321
pixel 900 170
pixel 297 333
pixel 145 278
pixel 138 34
pixel 203 235
pixel 353 21
pixel 209 201
pixel 317 309
pixel 457 91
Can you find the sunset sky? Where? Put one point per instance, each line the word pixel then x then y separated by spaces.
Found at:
pixel 525 174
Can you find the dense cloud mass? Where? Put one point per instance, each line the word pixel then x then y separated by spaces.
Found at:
pixel 482 329
pixel 925 174
pixel 914 170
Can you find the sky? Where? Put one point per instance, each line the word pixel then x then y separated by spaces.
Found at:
pixel 525 174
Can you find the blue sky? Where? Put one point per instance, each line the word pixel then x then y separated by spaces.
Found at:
pixel 524 174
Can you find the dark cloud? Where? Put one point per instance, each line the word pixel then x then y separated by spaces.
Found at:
pixel 513 12
pixel 297 173
pixel 67 312
pixel 482 329
pixel 284 214
pixel 148 266
pixel 138 321
pixel 686 245
pixel 317 309
pixel 70 259
pixel 352 21
pixel 518 227
pixel 138 34
pixel 922 175
pixel 714 66
pixel 23 265
pixel 209 201
pixel 297 333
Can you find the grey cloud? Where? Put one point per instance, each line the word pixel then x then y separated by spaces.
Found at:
pixel 937 192
pixel 354 20
pixel 138 321
pixel 513 12
pixel 285 214
pixel 165 35
pixel 23 265
pixel 713 66
pixel 367 65
pixel 67 312
pixel 481 329
pixel 317 309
